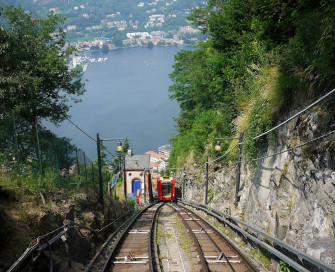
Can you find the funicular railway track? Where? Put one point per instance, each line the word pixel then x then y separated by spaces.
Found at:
pixel 215 252
pixel 133 250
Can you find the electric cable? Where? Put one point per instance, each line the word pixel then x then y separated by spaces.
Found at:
pixel 294 116
pixel 81 130
pixel 291 148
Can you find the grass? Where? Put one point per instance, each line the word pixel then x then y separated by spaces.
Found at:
pixel 210 195
pixel 186 243
pixel 242 215
pixel 159 233
pixel 262 255
pixel 261 106
pixel 306 152
pixel 285 169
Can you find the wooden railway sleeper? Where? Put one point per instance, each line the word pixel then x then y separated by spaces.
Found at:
pixel 137 231
pixel 220 256
pixel 130 259
pixel 144 219
pixel 192 219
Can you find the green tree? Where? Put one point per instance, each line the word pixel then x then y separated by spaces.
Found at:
pixel 118 40
pixel 105 48
pixel 36 81
pixel 250 43
pixel 94 48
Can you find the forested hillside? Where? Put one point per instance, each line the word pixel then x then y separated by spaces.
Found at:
pixel 86 20
pixel 261 57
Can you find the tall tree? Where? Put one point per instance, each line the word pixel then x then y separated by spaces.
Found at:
pixel 35 80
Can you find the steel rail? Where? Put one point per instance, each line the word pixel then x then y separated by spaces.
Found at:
pixel 117 243
pixel 211 239
pixel 195 240
pixel 300 254
pixel 271 249
pixel 226 240
pixel 151 237
pixel 96 256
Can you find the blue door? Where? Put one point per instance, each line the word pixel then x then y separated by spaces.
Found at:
pixel 136 186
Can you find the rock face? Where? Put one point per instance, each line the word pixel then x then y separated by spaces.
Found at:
pixel 290 195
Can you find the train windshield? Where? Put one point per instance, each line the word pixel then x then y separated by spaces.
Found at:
pixel 166 188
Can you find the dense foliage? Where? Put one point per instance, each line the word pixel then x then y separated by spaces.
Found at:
pixel 259 55
pixel 35 85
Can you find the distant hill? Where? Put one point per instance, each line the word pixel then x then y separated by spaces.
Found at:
pixel 93 18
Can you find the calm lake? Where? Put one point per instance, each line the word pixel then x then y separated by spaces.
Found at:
pixel 127 96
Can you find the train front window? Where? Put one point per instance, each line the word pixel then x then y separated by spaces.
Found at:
pixel 166 189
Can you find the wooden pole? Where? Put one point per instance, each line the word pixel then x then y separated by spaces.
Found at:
pixel 78 167
pixel 17 149
pixel 101 196
pixel 238 170
pixel 206 184
pixel 39 152
pixel 124 179
pixel 85 168
pixel 184 178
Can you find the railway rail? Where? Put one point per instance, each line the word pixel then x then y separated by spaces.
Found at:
pixel 133 249
pixel 135 246
pixel 215 252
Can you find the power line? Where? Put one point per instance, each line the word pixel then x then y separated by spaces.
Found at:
pixel 291 148
pixel 296 115
pixel 280 125
pixel 297 146
pixel 81 130
pixel 89 136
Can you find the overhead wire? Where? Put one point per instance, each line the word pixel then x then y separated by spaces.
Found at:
pixel 75 125
pixel 294 147
pixel 89 136
pixel 278 126
pixel 295 115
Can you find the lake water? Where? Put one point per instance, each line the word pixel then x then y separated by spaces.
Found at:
pixel 127 96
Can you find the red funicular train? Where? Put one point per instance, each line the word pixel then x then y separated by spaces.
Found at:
pixel 166 189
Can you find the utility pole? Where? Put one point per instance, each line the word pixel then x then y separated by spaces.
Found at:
pixel 124 179
pixel 184 178
pixel 92 166
pixel 78 167
pixel 85 168
pixel 39 153
pixel 206 184
pixel 145 187
pixel 16 148
pixel 101 196
pixel 150 188
pixel 238 170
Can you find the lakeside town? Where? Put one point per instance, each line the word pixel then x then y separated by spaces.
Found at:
pixel 153 38
pixel 134 39
pixel 109 25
